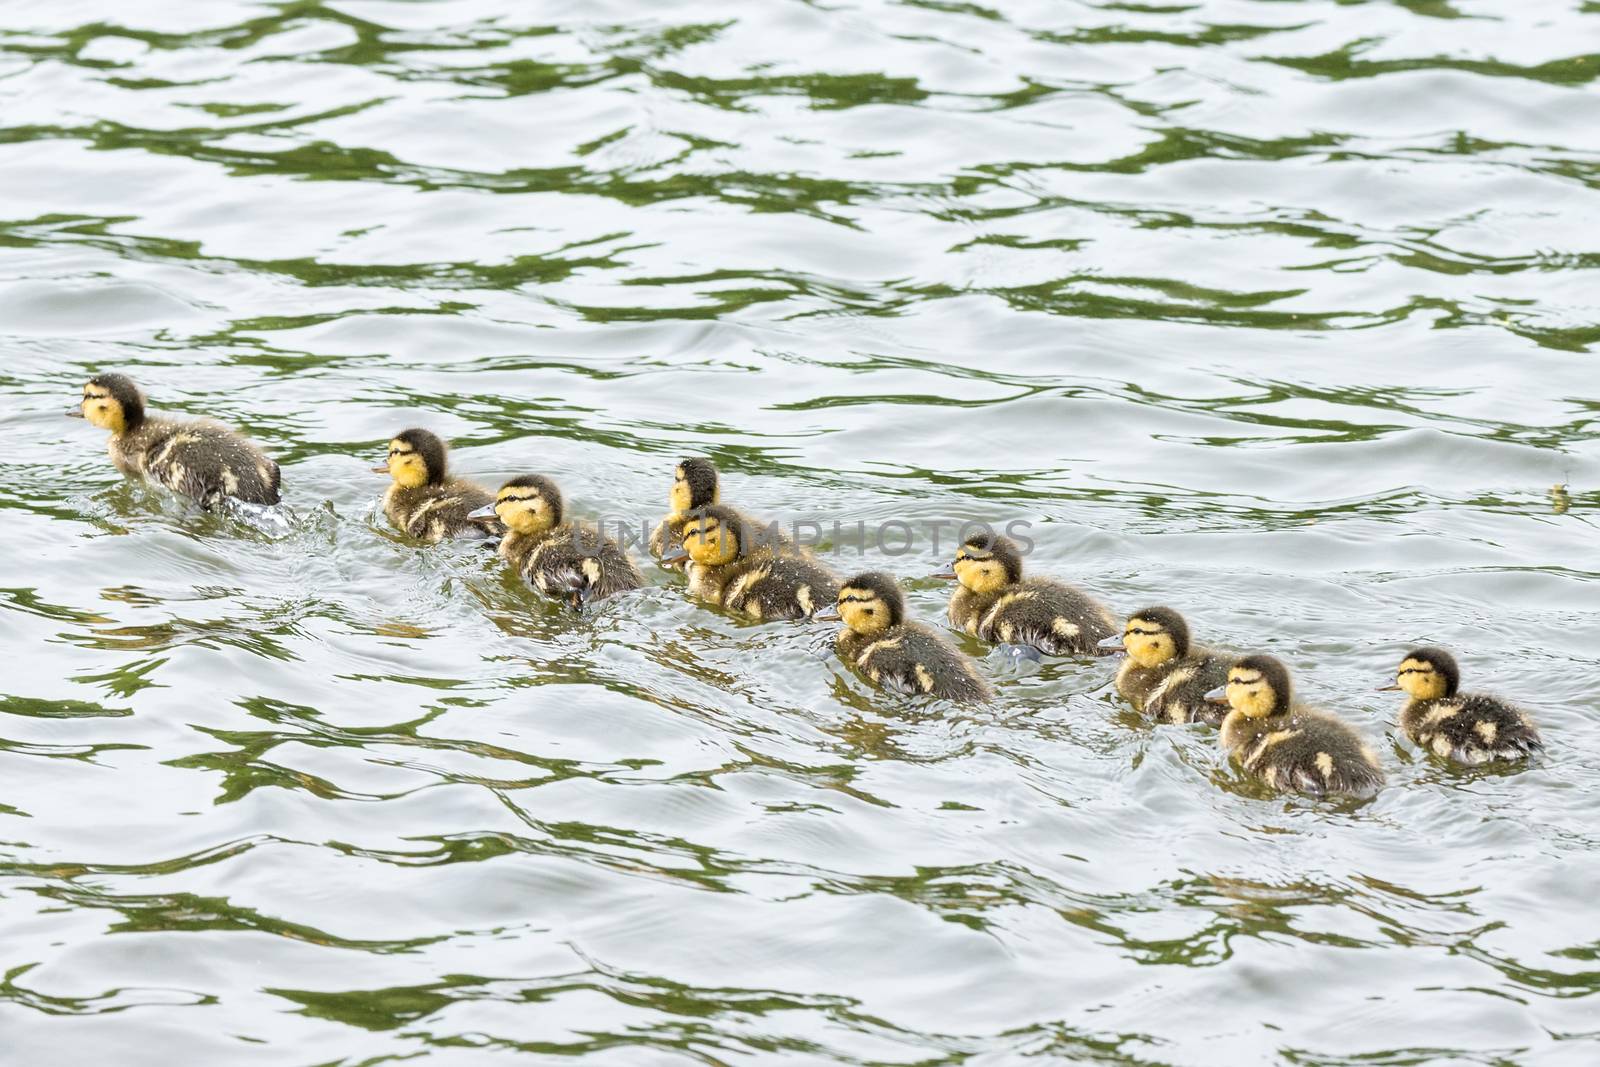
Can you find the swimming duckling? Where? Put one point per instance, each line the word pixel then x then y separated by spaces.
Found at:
pixel 893 654
pixel 1293 748
pixel 1469 728
pixel 1165 676
pixel 994 603
pixel 197 458
pixel 424 502
pixel 695 485
pixel 729 564
pixel 565 560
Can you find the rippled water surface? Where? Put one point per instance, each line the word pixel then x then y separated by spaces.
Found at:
pixel 1282 312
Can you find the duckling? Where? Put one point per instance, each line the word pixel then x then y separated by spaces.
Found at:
pixel 424 502
pixel 1165 676
pixel 893 654
pixel 695 485
pixel 565 560
pixel 1294 748
pixel 728 564
pixel 994 603
pixel 197 458
pixel 1469 728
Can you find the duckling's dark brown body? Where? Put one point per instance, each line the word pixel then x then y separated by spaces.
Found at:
pixel 572 562
pixel 766 584
pixel 1175 691
pixel 436 512
pixel 911 659
pixel 1304 751
pixel 1056 619
pixel 199 459
pixel 1471 728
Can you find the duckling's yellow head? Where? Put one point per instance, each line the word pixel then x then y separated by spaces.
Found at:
pixel 1259 686
pixel 416 458
pixel 1429 674
pixel 871 603
pixel 111 402
pixel 713 536
pixel 694 485
pixel 530 504
pixel 987 563
pixel 1154 636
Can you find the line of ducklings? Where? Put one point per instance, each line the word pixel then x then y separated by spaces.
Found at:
pixel 730 561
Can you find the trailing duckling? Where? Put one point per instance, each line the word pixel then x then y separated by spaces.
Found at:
pixel 995 603
pixel 564 560
pixel 729 565
pixel 893 654
pixel 425 502
pixel 1470 728
pixel 197 458
pixel 1298 749
pixel 695 485
pixel 1165 676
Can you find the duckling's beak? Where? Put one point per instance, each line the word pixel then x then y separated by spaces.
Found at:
pixel 1219 695
pixel 1389 688
pixel 948 571
pixel 580 598
pixel 1108 645
pixel 380 470
pixel 827 613
pixel 485 512
pixel 74 413
pixel 676 558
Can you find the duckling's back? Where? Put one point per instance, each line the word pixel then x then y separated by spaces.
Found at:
pixel 202 460
pixel 573 558
pixel 1055 618
pixel 779 585
pixel 1175 691
pixel 1306 751
pixel 435 512
pixel 1471 728
pixel 913 660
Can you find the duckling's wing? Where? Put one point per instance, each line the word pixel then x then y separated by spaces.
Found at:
pixel 579 560
pixel 1320 755
pixel 787 586
pixel 1474 729
pixel 1056 619
pixel 206 461
pixel 1180 696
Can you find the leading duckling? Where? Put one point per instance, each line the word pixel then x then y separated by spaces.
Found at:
pixel 567 561
pixel 1298 749
pixel 729 564
pixel 995 603
pixel 425 502
pixel 891 653
pixel 1470 728
pixel 1165 676
pixel 695 485
pixel 196 458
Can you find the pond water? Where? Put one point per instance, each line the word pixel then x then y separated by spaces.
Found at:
pixel 1282 313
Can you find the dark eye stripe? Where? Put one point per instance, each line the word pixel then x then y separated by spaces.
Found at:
pixel 1147 633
